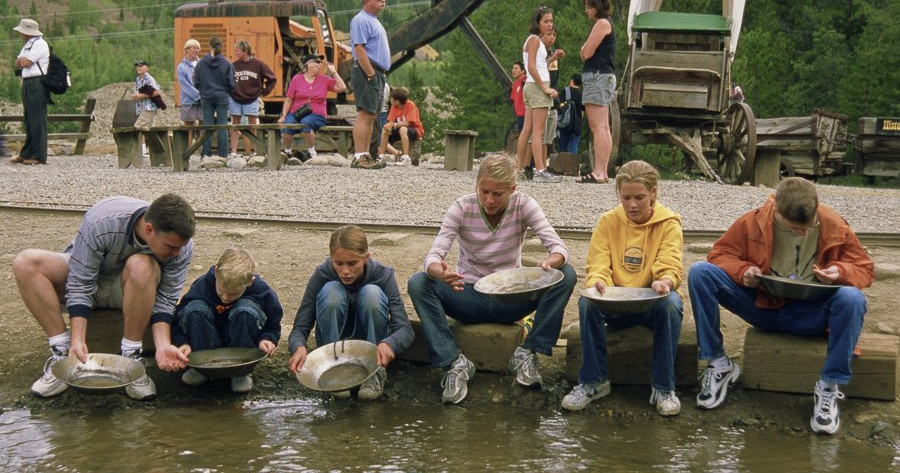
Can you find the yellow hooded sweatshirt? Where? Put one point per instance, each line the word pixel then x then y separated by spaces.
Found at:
pixel 625 254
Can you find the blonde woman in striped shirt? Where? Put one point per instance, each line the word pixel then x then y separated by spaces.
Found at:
pixel 490 227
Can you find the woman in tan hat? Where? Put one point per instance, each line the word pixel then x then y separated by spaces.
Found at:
pixel 31 64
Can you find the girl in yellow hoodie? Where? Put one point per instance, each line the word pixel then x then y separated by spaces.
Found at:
pixel 637 244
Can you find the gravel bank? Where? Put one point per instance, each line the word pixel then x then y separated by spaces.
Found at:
pixel 403 195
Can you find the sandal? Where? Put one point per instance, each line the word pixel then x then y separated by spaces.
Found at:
pixel 590 179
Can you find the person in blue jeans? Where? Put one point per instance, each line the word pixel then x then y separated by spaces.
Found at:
pixel 352 296
pixel 228 307
pixel 793 236
pixel 490 226
pixel 214 79
pixel 570 137
pixel 636 244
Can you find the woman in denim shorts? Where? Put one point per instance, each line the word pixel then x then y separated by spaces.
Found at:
pixel 599 82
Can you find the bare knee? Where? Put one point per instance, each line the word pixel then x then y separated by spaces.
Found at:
pixel 141 269
pixel 33 261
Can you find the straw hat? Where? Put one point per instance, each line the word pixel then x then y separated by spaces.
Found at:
pixel 28 27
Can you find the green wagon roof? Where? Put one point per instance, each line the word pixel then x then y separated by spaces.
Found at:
pixel 681 22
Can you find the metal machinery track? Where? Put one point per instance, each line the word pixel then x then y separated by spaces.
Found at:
pixel 569 233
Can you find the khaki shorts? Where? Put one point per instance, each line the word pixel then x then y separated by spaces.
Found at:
pixel 145 119
pixel 535 97
pixel 550 128
pixel 109 289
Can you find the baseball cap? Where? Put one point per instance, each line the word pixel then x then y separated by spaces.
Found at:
pixel 141 62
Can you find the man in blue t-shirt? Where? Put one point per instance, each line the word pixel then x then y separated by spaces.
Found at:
pixel 371 60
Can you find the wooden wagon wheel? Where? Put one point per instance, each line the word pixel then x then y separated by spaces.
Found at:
pixel 738 153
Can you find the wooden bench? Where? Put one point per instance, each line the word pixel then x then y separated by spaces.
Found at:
pixel 84 118
pixel 489 346
pixel 459 149
pixel 789 363
pixel 170 145
pixel 629 354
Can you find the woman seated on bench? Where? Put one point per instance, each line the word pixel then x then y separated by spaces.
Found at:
pixel 311 88
pixel 403 124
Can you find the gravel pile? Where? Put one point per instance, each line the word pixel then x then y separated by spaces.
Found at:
pixel 402 195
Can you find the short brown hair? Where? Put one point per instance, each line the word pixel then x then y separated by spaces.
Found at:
pixel 796 200
pixel 400 94
pixel 350 238
pixel 637 171
pixel 604 7
pixel 537 17
pixel 498 167
pixel 235 268
pixel 171 213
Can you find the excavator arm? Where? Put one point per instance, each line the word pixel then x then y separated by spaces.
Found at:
pixel 440 19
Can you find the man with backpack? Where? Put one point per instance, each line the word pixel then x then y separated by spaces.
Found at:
pixel 31 63
pixel 570 127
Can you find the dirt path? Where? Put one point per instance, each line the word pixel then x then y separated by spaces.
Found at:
pixel 286 258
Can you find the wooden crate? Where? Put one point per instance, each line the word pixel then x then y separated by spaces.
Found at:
pixel 788 363
pixel 104 332
pixel 630 353
pixel 489 346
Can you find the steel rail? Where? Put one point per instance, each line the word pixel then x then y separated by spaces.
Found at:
pixel 569 233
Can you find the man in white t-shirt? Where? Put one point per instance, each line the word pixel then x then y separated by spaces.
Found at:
pixel 31 64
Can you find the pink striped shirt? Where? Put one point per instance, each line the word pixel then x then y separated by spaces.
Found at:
pixel 484 250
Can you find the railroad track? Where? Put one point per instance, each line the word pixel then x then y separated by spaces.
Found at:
pixel 275 220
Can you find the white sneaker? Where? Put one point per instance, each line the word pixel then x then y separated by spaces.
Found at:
pixel 546 177
pixel 584 394
pixel 524 364
pixel 826 418
pixel 49 385
pixel 373 388
pixel 241 384
pixel 456 380
pixel 192 377
pixel 667 403
pixel 714 384
pixel 141 390
pixel 404 160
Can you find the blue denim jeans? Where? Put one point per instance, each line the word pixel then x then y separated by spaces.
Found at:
pixel 569 141
pixel 238 328
pixel 334 304
pixel 434 300
pixel 664 318
pixel 216 113
pixel 841 314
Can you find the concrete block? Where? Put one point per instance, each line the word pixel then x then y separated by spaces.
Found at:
pixel 789 363
pixel 104 332
pixel 884 271
pixel 489 346
pixel 630 354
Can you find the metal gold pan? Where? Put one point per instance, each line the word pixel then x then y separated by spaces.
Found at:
pixel 622 300
pixel 225 362
pixel 339 366
pixel 519 284
pixel 102 373
pixel 795 289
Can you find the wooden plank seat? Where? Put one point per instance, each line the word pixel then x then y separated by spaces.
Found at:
pixel 171 144
pixel 789 363
pixel 85 118
pixel 629 355
pixel 488 346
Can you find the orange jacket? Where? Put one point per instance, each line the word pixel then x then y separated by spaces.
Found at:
pixel 749 242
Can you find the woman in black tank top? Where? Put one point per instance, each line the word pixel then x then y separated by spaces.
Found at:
pixel 599 84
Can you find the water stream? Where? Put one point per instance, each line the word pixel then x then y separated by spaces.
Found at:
pixel 345 436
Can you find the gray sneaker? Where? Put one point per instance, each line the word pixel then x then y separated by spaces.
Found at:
pixel 49 385
pixel 524 364
pixel 546 177
pixel 584 394
pixel 826 417
pixel 241 384
pixel 143 389
pixel 456 379
pixel 373 387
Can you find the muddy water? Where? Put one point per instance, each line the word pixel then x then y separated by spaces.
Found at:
pixel 381 436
